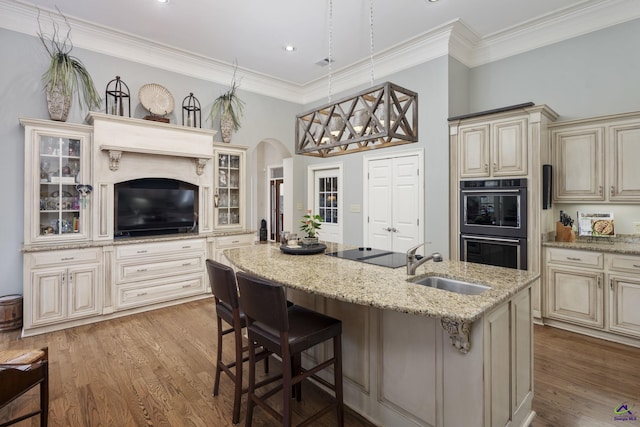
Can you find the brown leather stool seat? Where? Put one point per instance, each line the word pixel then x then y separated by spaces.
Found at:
pixel 19 372
pixel 287 332
pixel 225 291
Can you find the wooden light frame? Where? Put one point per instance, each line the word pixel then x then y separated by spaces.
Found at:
pixel 388 116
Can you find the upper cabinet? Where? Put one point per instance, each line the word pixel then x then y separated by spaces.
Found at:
pixel 57 172
pixel 229 192
pixel 496 148
pixel 595 159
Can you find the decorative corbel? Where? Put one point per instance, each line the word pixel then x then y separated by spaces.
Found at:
pixel 459 333
pixel 200 164
pixel 114 159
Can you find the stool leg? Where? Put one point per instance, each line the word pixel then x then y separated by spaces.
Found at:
pixel 287 373
pixel 216 386
pixel 337 370
pixel 252 383
pixel 237 392
pixel 44 397
pixel 296 367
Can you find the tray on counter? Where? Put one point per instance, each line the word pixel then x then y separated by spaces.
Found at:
pixel 304 250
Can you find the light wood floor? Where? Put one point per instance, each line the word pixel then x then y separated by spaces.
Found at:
pixel 156 369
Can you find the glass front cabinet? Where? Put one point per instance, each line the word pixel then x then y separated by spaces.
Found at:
pixel 229 195
pixel 57 181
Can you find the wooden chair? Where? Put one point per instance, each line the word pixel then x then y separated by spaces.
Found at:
pixel 20 371
pixel 225 291
pixel 287 332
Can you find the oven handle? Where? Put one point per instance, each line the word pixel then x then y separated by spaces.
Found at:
pixel 490 239
pixel 491 191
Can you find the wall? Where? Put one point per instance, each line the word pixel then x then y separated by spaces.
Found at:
pixel 588 76
pixel 591 75
pixel 24 61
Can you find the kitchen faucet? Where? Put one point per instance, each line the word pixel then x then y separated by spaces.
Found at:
pixel 413 262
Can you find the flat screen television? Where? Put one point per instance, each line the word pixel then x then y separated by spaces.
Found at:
pixel 150 206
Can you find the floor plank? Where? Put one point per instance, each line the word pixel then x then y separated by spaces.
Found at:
pixel 150 370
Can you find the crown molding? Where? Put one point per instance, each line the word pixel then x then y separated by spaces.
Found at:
pixel 574 21
pixel 453 38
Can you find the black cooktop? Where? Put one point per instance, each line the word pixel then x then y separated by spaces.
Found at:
pixel 373 256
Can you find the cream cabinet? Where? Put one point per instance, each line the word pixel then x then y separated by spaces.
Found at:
pixel 624 287
pixel 57 172
pixel 219 244
pixel 497 148
pixel 151 273
pixel 61 286
pixel 230 187
pixel 595 159
pixel 595 290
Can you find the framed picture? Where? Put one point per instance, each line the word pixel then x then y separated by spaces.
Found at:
pixel 596 224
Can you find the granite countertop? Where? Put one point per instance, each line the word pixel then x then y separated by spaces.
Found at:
pixel 130 240
pixel 617 245
pixel 382 287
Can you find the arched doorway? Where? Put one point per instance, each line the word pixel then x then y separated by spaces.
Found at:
pixel 273 191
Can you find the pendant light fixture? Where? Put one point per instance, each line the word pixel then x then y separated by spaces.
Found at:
pixel 384 115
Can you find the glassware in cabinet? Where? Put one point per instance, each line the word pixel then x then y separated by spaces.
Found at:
pixel 56 160
pixel 229 189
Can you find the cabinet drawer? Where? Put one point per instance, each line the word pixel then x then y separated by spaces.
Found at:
pixel 573 257
pixel 624 263
pixel 152 268
pixel 72 256
pixel 158 248
pixel 141 294
pixel 235 240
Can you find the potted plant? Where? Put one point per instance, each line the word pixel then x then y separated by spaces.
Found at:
pixel 230 107
pixel 66 74
pixel 310 225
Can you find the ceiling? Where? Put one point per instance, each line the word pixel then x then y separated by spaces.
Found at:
pixel 253 33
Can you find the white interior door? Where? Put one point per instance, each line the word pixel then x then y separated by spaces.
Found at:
pixel 326 190
pixel 394 203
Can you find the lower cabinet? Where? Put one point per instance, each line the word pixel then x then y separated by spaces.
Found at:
pixel 220 243
pixel 597 292
pixel 150 273
pixel 61 286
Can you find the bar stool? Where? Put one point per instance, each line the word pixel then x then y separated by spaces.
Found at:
pixel 287 332
pixel 225 291
pixel 20 371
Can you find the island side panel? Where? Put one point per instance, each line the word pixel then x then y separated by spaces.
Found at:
pixel 462 378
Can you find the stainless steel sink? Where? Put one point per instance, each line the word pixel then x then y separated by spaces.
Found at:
pixel 452 285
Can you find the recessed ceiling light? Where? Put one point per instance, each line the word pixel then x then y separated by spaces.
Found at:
pixel 289 48
pixel 431 1
pixel 163 1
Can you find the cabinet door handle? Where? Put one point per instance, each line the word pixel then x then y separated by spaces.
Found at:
pixel 141 270
pixel 636 265
pixel 495 166
pixel 573 259
pixel 63 278
pixel 186 264
pixel 67 259
pixel 600 190
pixel 70 278
pixel 611 283
pixel 141 294
pixel 186 286
pixel 186 247
pixel 613 190
pixel 141 252
pixel 233 242
pixel 486 167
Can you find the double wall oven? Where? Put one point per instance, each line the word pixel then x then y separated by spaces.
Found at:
pixel 493 222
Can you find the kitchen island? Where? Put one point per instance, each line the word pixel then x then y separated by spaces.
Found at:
pixel 414 355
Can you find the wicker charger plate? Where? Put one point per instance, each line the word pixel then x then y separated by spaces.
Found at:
pixel 156 98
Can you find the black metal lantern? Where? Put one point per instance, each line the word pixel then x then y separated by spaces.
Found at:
pixel 116 93
pixel 191 109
